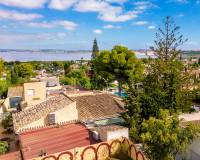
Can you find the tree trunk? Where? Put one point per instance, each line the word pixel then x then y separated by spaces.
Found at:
pixel 120 88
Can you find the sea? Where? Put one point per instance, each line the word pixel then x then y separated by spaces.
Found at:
pixel 25 56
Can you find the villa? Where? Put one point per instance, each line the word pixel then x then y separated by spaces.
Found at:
pixel 90 109
pixel 23 96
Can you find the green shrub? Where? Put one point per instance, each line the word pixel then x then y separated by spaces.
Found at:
pixel 4 147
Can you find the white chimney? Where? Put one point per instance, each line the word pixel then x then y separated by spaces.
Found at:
pixel 95 135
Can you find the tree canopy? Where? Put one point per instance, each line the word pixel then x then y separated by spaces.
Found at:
pixel 152 108
pixel 164 138
pixel 4 84
pixel 77 77
pixel 24 70
pixel 21 72
pixel 118 64
pixel 1 66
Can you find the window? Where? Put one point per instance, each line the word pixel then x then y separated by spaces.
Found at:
pixel 15 102
pixel 30 92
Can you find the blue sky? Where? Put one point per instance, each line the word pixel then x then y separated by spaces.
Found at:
pixel 73 24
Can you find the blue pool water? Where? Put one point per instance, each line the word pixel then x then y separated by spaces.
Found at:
pixel 123 94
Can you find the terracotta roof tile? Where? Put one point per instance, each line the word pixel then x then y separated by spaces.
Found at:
pixel 97 106
pixel 11 156
pixel 15 91
pixel 54 140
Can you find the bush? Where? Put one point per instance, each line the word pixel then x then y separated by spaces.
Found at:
pixel 68 81
pixel 4 147
pixel 7 123
pixel 3 88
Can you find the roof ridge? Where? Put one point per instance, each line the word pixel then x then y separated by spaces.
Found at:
pixel 61 124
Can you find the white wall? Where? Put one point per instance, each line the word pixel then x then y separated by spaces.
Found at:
pixel 190 116
pixel 6 106
pixel 118 134
pixel 193 151
pixel 39 93
pixel 67 113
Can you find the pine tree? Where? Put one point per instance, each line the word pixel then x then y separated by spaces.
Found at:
pixel 119 64
pixel 153 107
pixel 133 115
pixel 95 49
pixel 168 40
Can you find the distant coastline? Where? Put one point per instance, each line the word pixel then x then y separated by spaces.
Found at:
pixel 43 55
pixel 65 55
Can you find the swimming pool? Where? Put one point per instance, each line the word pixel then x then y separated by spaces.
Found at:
pixel 123 94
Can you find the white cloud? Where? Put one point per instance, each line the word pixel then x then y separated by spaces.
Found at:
pixel 115 15
pixel 14 15
pixel 50 36
pixel 141 23
pixel 106 11
pixel 68 25
pixel 8 38
pixel 117 1
pixel 61 35
pixel 91 6
pixel 61 4
pixel 40 24
pixel 143 5
pixel 151 27
pixel 97 31
pixel 178 1
pixel 24 3
pixel 180 15
pixel 110 26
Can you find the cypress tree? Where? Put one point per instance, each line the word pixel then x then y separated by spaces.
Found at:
pixel 95 49
pixel 14 76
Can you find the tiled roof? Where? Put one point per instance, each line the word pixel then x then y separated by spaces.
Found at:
pixel 11 156
pixel 40 110
pixel 97 106
pixel 15 91
pixel 54 140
